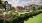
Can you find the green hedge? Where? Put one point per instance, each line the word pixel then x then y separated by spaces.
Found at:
pixel 21 18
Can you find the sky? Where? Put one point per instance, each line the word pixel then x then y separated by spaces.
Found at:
pixel 18 2
pixel 21 2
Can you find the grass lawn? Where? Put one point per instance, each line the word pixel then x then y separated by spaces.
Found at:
pixel 35 19
pixel 22 12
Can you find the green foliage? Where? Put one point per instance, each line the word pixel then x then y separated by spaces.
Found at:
pixel 1 20
pixel 40 7
pixel 1 12
pixel 2 6
pixel 32 7
pixel 36 19
pixel 22 17
pixel 0 2
pixel 13 8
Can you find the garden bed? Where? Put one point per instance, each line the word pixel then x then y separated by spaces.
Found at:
pixel 21 18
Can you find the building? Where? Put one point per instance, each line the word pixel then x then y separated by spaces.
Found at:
pixel 8 6
pixel 25 8
pixel 28 8
pixel 19 8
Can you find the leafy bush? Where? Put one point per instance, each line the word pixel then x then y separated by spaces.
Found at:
pixel 21 17
pixel 1 20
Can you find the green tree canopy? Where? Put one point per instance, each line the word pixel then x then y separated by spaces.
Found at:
pixel 33 7
pixel 40 7
pixel 0 2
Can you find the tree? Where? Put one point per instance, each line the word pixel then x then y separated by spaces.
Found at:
pixel 0 2
pixel 13 8
pixel 40 7
pixel 2 5
pixel 32 7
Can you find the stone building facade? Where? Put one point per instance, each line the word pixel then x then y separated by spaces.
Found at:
pixel 8 6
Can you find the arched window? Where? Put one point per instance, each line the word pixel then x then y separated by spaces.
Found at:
pixel 6 2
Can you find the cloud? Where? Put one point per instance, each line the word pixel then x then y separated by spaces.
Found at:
pixel 22 2
pixel 18 2
pixel 13 2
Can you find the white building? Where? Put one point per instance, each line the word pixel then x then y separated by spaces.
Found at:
pixel 8 6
